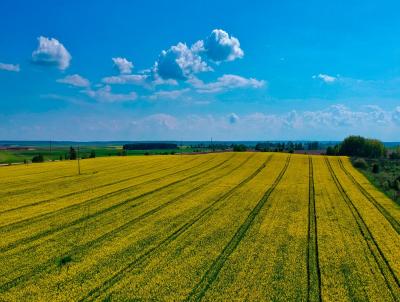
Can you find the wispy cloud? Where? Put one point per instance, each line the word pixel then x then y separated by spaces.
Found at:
pixel 226 82
pixel 9 67
pixel 168 94
pixel 326 78
pixel 75 80
pixel 134 79
pixel 105 95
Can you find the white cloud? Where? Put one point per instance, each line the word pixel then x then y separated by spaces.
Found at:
pixel 159 120
pixel 179 62
pixel 135 79
pixel 226 82
pixel 219 46
pixel 124 66
pixel 75 80
pixel 51 52
pixel 9 67
pixel 105 95
pixel 169 94
pixel 396 115
pixel 326 78
pixel 331 123
pixel 233 118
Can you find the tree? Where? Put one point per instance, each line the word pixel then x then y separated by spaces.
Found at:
pixel 362 147
pixel 72 153
pixel 38 158
pixel 332 150
pixel 92 154
pixel 239 148
pixel 313 146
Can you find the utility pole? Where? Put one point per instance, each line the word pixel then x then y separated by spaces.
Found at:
pixel 50 150
pixel 79 164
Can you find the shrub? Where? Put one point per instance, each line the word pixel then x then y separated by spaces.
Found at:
pixel 360 163
pixel 375 168
pixel 61 261
pixel 38 158
pixel 395 154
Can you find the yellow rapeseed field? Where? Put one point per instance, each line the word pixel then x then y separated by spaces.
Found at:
pixel 213 227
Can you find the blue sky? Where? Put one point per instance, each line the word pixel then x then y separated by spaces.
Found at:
pixel 170 70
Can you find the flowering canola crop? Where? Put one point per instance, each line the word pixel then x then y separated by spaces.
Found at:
pixel 210 227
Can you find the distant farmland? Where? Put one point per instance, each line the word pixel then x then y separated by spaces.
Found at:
pixel 212 227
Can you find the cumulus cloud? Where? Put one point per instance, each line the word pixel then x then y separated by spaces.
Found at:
pixel 9 67
pixel 226 82
pixel 219 46
pixel 105 95
pixel 51 52
pixel 233 118
pixel 75 80
pixel 326 78
pixel 123 65
pixel 179 62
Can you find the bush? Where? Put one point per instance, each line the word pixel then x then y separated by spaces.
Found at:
pixel 92 154
pixel 375 168
pixel 360 163
pixel 38 158
pixel 395 154
pixel 61 261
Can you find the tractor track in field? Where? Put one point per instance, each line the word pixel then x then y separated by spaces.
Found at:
pixel 85 190
pixel 24 222
pixel 109 235
pixel 116 277
pixel 54 181
pixel 387 272
pixel 209 277
pixel 39 235
pixel 313 269
pixel 393 222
